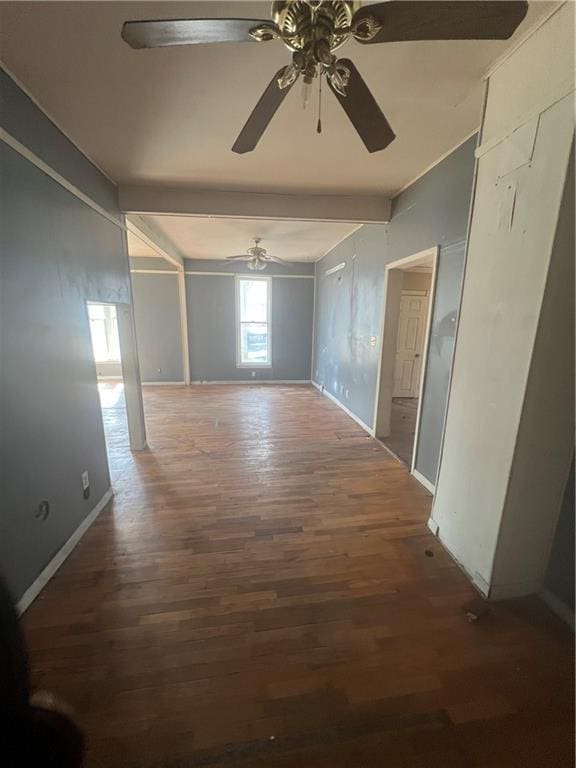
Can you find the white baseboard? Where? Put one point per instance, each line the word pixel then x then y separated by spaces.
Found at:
pixel 40 582
pixel 337 402
pixel 424 481
pixel 558 607
pixel 252 381
pixel 433 526
pixel 163 383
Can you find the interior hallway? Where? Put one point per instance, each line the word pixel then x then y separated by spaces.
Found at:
pixel 265 570
pixel 403 416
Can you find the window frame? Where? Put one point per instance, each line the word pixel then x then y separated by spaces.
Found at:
pixel 268 280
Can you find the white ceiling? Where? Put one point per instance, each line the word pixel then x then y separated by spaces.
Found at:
pixel 216 238
pixel 171 115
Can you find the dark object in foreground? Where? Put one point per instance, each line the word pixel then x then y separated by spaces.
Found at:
pixel 35 730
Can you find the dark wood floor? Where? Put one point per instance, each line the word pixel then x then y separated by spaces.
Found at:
pixel 263 591
pixel 402 428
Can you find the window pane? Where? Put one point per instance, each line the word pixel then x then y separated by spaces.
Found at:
pixel 99 341
pixel 254 343
pixel 96 312
pixel 104 332
pixel 253 301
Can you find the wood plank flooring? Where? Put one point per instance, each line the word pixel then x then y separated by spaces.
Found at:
pixel 263 591
pixel 402 428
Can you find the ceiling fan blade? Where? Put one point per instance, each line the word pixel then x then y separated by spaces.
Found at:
pixel 441 20
pixel 278 260
pixel 158 34
pixel 363 111
pixel 261 115
pixel 244 256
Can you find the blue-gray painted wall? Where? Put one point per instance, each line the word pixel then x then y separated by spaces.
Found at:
pixel 158 330
pixel 56 253
pixel 211 309
pixel 350 303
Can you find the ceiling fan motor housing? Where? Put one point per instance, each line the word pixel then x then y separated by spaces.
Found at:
pixel 303 22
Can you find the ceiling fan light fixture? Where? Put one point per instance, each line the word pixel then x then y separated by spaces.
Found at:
pixel 288 77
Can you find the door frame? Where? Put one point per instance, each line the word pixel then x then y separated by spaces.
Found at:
pixel 130 371
pixel 387 352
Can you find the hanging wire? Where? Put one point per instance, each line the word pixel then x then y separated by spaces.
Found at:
pixel 319 124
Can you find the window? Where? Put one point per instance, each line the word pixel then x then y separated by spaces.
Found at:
pixel 104 331
pixel 253 315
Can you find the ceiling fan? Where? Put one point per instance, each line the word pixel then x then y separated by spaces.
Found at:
pixel 314 29
pixel 258 258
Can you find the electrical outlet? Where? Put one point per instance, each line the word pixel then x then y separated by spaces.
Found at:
pixel 85 484
pixel 253 374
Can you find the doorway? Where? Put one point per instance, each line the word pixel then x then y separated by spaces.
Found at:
pixel 410 285
pixel 117 372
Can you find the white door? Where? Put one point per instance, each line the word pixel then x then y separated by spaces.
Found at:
pixel 409 344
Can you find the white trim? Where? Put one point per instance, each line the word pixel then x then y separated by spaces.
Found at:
pixel 202 383
pixel 337 402
pixel 433 526
pixel 423 481
pixel 245 274
pixel 163 383
pixel 313 345
pixel 212 274
pixel 435 163
pixel 431 299
pixel 184 327
pixel 558 607
pixel 523 39
pixel 27 154
pixel 46 574
pixel 402 264
pixel 108 378
pixel 54 122
pixel 155 272
pixel 300 277
pixel 265 279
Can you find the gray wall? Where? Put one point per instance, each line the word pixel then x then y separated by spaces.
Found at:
pixel 56 253
pixel 158 330
pixel 211 307
pixel 349 303
pixel 151 262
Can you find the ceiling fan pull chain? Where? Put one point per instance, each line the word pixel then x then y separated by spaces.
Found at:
pixel 319 124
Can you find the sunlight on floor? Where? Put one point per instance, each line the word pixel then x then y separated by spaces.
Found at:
pixel 110 393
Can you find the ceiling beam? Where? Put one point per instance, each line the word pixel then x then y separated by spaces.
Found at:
pixel 155 239
pixel 191 201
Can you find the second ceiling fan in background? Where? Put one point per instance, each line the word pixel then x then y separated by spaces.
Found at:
pixel 313 29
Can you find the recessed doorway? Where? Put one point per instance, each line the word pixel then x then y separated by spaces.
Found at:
pixel 410 284
pixel 117 372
